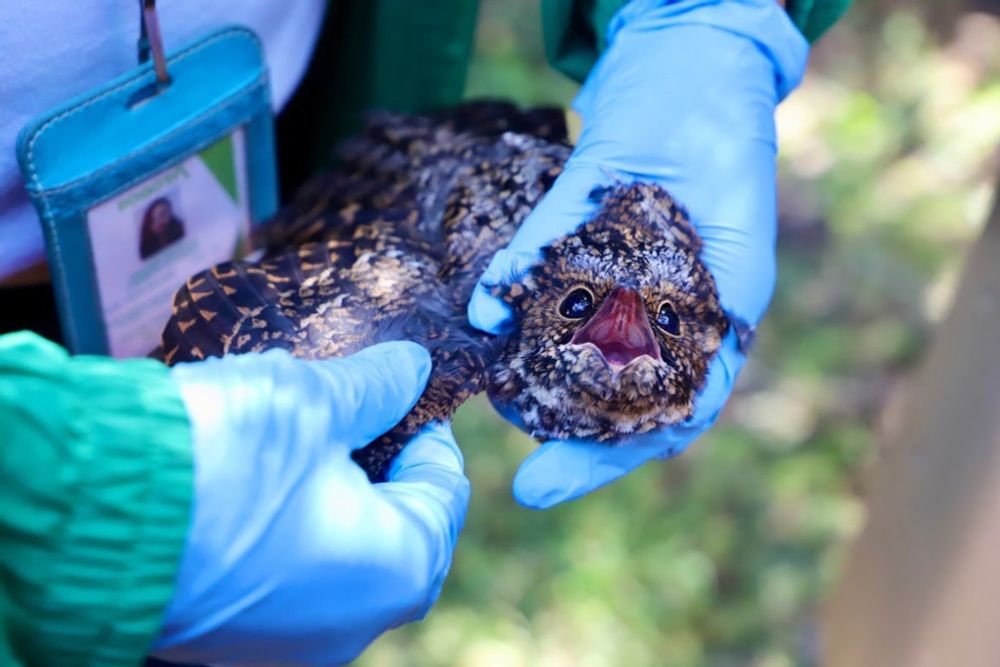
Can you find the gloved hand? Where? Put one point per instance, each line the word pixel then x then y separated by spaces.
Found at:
pixel 293 556
pixel 684 95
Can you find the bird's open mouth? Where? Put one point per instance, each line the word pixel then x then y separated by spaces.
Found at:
pixel 620 330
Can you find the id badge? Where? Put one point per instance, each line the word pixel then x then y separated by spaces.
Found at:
pixel 147 180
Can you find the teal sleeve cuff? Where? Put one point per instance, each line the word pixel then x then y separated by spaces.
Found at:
pixel 95 499
pixel 815 17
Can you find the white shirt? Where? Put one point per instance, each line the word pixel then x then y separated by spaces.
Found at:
pixel 53 50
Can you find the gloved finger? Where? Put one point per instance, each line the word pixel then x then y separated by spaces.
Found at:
pixel 427 477
pixel 487 312
pixel 371 391
pixel 427 483
pixel 562 470
pixel 432 452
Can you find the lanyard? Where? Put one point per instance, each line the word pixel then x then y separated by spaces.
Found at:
pixel 151 42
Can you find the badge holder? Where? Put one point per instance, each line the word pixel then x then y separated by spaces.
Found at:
pixel 145 181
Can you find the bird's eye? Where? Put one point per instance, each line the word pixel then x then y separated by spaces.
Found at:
pixel 667 320
pixel 577 304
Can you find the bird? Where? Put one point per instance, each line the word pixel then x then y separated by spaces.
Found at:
pixel 611 331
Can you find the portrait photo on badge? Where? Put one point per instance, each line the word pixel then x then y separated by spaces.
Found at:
pixel 159 227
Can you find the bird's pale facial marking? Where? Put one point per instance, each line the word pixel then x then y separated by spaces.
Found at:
pixel 615 328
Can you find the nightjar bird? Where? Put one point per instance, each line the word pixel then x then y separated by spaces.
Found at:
pixel 612 331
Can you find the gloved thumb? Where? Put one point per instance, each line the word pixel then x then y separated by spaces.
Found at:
pixel 371 391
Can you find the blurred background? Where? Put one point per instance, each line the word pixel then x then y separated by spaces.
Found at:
pixel 721 557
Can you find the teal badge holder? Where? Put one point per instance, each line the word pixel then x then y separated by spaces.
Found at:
pixel 149 179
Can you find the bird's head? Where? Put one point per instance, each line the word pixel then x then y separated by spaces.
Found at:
pixel 612 332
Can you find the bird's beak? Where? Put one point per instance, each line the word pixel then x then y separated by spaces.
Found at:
pixel 620 330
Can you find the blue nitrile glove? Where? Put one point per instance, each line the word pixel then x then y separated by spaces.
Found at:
pixel 684 95
pixel 293 557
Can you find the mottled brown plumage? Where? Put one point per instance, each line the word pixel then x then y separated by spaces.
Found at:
pixel 390 245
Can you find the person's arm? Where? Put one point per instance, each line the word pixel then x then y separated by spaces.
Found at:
pixel 204 510
pixel 95 500
pixel 683 95
pixel 575 31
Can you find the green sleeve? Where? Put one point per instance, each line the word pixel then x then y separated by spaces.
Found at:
pixel 95 499
pixel 574 30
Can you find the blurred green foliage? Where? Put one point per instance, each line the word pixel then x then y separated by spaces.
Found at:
pixel 721 557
